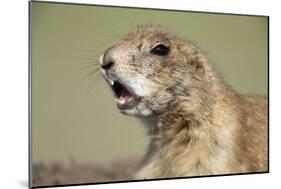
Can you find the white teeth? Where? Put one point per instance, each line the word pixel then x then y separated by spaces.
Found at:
pixel 121 101
pixel 111 82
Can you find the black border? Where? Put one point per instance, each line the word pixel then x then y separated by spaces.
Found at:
pixel 29 96
pixel 128 7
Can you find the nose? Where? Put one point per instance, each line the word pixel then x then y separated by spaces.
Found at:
pixel 106 61
pixel 106 65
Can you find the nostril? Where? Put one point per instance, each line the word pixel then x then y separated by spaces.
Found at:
pixel 106 66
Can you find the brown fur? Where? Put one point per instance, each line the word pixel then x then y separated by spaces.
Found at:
pixel 197 124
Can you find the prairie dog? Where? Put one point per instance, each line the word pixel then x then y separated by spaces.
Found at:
pixel 197 124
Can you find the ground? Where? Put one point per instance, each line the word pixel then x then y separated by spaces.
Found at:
pixel 58 173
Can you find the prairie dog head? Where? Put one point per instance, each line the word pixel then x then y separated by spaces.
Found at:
pixel 150 71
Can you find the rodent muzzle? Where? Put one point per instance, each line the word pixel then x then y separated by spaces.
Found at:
pixel 125 98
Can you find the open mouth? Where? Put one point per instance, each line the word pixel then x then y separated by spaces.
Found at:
pixel 124 98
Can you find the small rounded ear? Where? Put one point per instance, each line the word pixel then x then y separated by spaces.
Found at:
pixel 198 64
pixel 193 57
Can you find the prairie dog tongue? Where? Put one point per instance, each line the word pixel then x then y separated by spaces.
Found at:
pixel 125 97
pixel 126 100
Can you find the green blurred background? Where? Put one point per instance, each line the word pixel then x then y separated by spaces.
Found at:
pixel 74 116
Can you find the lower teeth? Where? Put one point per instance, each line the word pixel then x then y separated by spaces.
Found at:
pixel 121 101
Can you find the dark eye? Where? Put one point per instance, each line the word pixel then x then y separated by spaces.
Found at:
pixel 160 49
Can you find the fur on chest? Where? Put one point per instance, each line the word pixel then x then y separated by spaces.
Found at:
pixel 199 150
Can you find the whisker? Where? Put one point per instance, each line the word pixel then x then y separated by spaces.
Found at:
pixel 91 76
pixel 92 85
pixel 92 72
pixel 90 65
